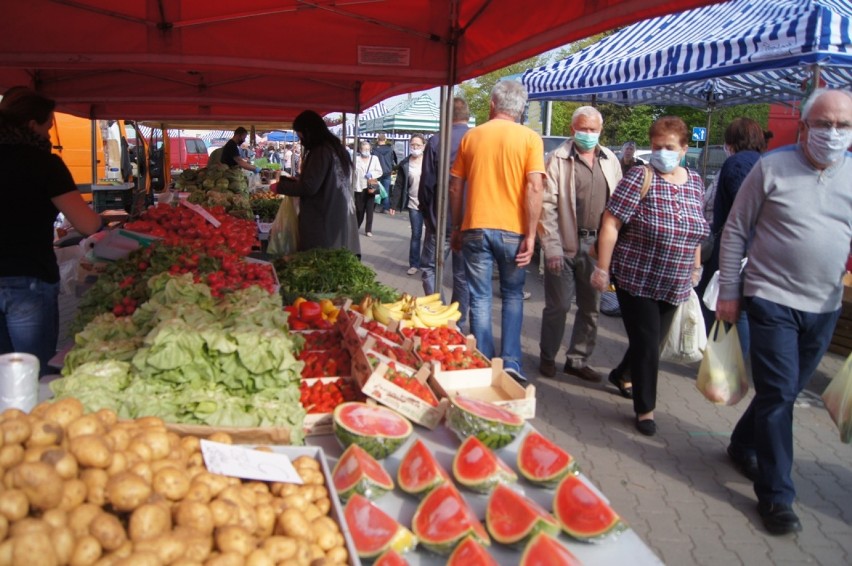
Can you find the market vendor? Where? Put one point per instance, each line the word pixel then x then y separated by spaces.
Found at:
pixel 231 152
pixel 326 205
pixel 36 186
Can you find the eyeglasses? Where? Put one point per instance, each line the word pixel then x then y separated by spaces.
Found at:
pixel 826 125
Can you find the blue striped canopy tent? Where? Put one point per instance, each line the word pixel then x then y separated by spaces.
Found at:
pixel 738 52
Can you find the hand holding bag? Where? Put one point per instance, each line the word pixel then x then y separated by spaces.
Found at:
pixel 687 337
pixel 722 376
pixel 838 400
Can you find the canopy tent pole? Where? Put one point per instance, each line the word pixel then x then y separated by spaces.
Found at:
pixel 711 105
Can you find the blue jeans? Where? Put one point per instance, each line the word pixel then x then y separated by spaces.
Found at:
pixel 29 317
pixel 415 217
pixel 786 347
pixel 481 249
pixel 461 293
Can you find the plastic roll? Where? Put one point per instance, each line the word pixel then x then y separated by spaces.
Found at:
pixel 18 381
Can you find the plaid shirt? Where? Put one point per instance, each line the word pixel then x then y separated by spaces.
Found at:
pixel 655 252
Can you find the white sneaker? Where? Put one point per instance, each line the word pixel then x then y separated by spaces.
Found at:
pixel 369 234
pixel 527 295
pixel 411 270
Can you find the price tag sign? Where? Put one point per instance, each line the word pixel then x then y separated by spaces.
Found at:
pixel 245 463
pixel 200 210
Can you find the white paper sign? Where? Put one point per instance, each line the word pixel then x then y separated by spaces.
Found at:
pixel 200 210
pixel 247 463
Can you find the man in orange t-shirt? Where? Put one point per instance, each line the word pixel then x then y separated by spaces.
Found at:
pixel 496 188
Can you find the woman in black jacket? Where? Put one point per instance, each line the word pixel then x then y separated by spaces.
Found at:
pixel 404 196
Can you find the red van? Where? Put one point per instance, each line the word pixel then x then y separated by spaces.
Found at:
pixel 184 153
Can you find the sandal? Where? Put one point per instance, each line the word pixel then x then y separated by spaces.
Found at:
pixel 625 389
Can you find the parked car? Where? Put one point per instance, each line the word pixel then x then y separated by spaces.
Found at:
pixel 715 158
pixel 551 143
pixel 184 153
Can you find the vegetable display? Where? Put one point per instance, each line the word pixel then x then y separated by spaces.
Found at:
pixel 265 205
pixel 217 185
pixel 513 519
pixel 494 426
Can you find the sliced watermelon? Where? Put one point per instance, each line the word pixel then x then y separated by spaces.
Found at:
pixel 378 430
pixel 542 462
pixel 494 426
pixel 512 519
pixel 478 468
pixel 358 472
pixel 390 558
pixel 419 471
pixel 470 553
pixel 582 513
pixel 444 518
pixel 374 531
pixel 544 550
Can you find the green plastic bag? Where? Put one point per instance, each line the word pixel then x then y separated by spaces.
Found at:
pixel 838 400
pixel 284 234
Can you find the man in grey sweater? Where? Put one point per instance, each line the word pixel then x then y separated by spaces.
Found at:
pixel 793 219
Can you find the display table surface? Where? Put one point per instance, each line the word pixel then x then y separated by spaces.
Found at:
pixel 625 548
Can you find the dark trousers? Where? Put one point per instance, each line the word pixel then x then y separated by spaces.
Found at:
pixel 646 322
pixel 786 347
pixel 364 205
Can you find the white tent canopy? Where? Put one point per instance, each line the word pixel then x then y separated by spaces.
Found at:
pixel 738 52
pixel 419 114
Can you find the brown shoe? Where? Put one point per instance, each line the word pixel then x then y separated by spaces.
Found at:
pixel 585 373
pixel 547 369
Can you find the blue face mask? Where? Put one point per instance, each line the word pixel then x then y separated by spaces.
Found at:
pixel 586 140
pixel 665 160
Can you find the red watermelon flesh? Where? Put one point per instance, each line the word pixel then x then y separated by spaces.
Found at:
pixel 444 518
pixel 374 531
pixel 476 467
pixel 390 558
pixel 372 420
pixel 582 513
pixel 543 462
pixel 511 518
pixel 488 410
pixel 544 550
pixel 419 471
pixel 358 472
pixel 470 553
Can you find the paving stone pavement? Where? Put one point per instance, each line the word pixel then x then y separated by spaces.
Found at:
pixel 677 489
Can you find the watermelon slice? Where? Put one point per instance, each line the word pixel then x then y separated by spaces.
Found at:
pixel 374 531
pixel 511 518
pixel 358 472
pixel 444 518
pixel 419 471
pixel 582 513
pixel 470 553
pixel 494 426
pixel 378 430
pixel 542 462
pixel 390 558
pixel 544 550
pixel 476 467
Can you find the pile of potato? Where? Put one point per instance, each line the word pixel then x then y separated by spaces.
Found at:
pixel 84 489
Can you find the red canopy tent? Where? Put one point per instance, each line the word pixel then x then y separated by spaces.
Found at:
pixel 194 59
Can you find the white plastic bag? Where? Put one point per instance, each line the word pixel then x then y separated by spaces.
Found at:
pixel 838 400
pixel 711 292
pixel 284 234
pixel 687 337
pixel 722 375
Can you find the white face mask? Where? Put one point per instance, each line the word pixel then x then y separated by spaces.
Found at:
pixel 416 152
pixel 365 154
pixel 827 146
pixel 665 160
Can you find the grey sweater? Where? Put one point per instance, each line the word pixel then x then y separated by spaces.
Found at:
pixel 794 223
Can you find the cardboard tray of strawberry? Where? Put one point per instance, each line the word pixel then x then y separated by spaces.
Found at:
pixel 319 397
pixel 405 391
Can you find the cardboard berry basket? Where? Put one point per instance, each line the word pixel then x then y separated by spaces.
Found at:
pixel 381 389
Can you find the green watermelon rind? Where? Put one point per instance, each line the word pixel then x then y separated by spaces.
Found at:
pixel 535 540
pixel 494 434
pixel 421 490
pixel 551 481
pixel 379 447
pixel 540 525
pixel 447 546
pixel 452 560
pixel 503 474
pixel 616 527
pixel 369 487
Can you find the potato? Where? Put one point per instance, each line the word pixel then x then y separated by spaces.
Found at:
pixel 172 483
pixel 259 557
pixel 168 548
pixel 198 547
pixel 12 414
pixel 190 445
pixel 95 480
pixel 317 555
pixel 224 512
pixel 118 464
pixel 64 411
pixel 91 450
pixel 40 410
pixel 306 462
pixel 324 505
pixel 33 549
pixel 292 523
pixel 149 521
pixel 107 417
pixel 120 438
pixel 265 520
pixel 87 551
pixel 108 530
pixel 14 504
pixel 29 525
pixel 311 512
pixel 195 515
pixel 62 540
pixel 84 426
pixel 141 558
pixel 143 470
pixel 199 492
pixel 15 431
pixel 127 491
pixel 279 548
pixel 140 449
pixel 62 461
pixel 222 437
pixel 295 501
pixel 73 494
pixel 158 465
pixel 4 527
pixel 33 453
pixel 45 433
pixel 80 518
pixel 157 441
pixel 311 476
pixel 215 482
pixel 6 549
pixel 56 518
pixel 11 455
pixel 337 555
pixel 325 530
pixel 232 538
pixel 39 482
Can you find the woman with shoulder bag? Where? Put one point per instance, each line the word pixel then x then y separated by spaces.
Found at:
pixel 404 197
pixel 650 245
pixel 367 173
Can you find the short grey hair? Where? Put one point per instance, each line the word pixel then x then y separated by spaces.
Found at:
pixel 509 97
pixel 588 111
pixel 805 110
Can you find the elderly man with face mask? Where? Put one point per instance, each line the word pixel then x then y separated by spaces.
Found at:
pixel 792 217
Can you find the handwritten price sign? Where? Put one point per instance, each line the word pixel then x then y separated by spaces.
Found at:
pixel 246 463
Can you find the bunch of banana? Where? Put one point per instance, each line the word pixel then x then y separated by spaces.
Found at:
pixel 417 312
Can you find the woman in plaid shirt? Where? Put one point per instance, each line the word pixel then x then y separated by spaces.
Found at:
pixel 651 246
